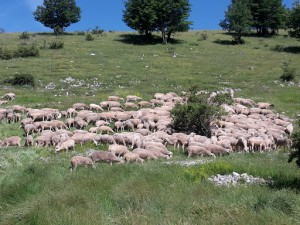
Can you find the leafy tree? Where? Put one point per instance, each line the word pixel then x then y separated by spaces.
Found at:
pixel 57 14
pixel 268 16
pixel 140 15
pixel 295 154
pixel 294 21
pixel 238 19
pixel 172 17
pixel 166 16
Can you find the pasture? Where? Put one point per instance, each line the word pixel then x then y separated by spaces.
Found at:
pixel 36 186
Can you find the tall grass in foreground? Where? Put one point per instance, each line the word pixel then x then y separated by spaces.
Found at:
pixel 152 193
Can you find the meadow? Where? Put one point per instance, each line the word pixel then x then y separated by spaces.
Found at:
pixel 36 186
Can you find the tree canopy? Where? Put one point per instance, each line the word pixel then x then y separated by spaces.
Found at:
pixel 166 16
pixel 57 14
pixel 293 23
pixel 238 19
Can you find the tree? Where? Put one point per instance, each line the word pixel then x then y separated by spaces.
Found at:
pixel 295 154
pixel 140 15
pixel 268 16
pixel 293 23
pixel 238 19
pixel 166 16
pixel 57 14
pixel 172 17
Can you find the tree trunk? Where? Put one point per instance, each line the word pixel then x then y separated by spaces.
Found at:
pixel 163 34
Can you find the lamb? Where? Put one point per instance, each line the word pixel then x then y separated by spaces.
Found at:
pixel 81 161
pixel 103 156
pixel 66 145
pixel 12 141
pixel 118 150
pixel 130 156
pixel 197 150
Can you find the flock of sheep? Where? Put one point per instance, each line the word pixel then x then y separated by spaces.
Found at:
pixel 135 130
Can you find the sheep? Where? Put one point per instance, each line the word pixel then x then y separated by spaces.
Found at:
pixel 9 96
pixel 81 161
pixel 43 140
pixel 79 106
pixel 144 154
pixel 105 129
pixel 12 141
pixel 70 122
pixel 29 129
pixel 101 123
pixel 130 105
pixel 29 141
pixel 119 126
pixel 71 112
pixel 130 156
pixel 18 108
pixel 115 98
pixel 143 104
pixel 103 156
pixel 197 150
pixel 118 150
pixel 217 149
pixel 66 145
pixel 264 105
pixel 95 107
pixel 132 98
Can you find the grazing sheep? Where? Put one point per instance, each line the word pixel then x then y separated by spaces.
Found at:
pixel 9 96
pixel 30 129
pixel 130 156
pixel 132 98
pixel 12 141
pixel 130 105
pixel 107 157
pixel 118 150
pixel 29 141
pixel 105 129
pixel 95 107
pixel 197 150
pixel 66 145
pixel 81 161
pixel 144 154
pixel 80 106
pixel 114 98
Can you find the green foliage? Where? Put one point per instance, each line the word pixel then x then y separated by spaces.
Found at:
pixel 22 79
pixel 237 19
pixel 97 31
pixel 81 33
pixel 288 72
pixel 27 51
pixel 24 35
pixel 293 22
pixel 195 116
pixel 6 53
pixel 166 16
pixel 202 172
pixel 295 154
pixel 89 37
pixel 268 16
pixel 57 14
pixel 222 98
pixel 56 44
pixel 203 36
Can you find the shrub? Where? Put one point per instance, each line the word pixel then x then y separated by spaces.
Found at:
pixel 56 44
pixel 27 51
pixel 22 79
pixel 24 35
pixel 6 54
pixel 203 36
pixel 195 116
pixel 295 154
pixel 81 33
pixel 97 31
pixel 222 98
pixel 288 72
pixel 89 37
pixel 202 172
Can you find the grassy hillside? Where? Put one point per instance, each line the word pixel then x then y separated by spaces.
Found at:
pixel 36 186
pixel 121 67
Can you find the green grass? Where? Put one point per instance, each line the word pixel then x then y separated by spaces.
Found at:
pixel 36 192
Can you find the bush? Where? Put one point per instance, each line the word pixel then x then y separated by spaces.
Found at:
pixel 97 31
pixel 22 79
pixel 288 72
pixel 6 54
pixel 204 171
pixel 56 44
pixel 24 35
pixel 203 36
pixel 27 51
pixel 81 33
pixel 295 154
pixel 195 116
pixel 89 37
pixel 222 98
